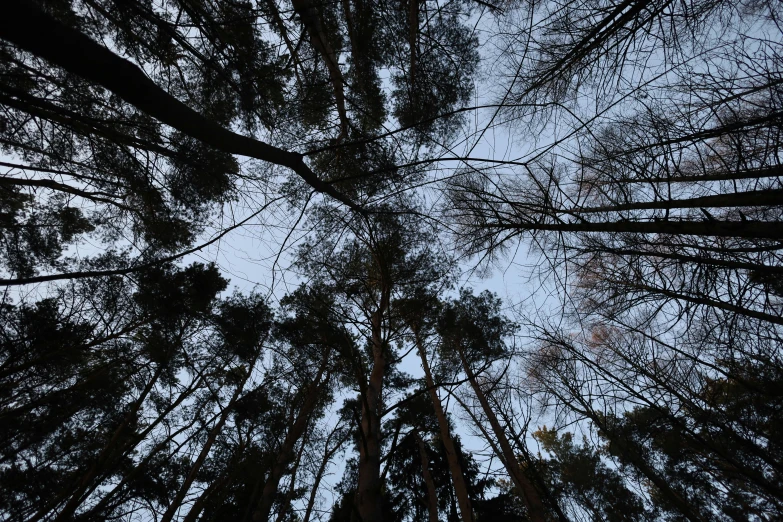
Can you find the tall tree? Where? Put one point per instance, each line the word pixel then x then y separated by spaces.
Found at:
pixel 382 259
pixel 473 333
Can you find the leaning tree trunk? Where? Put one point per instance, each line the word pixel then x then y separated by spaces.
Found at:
pixel 82 56
pixel 457 477
pixel 261 513
pixel 217 488
pixel 525 487
pixel 107 456
pixel 633 456
pixel 168 515
pixel 328 454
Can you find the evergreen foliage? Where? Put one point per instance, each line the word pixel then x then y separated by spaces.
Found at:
pixel 642 181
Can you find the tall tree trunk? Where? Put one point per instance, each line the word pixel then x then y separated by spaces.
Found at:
pixel 368 491
pixel 105 458
pixel 524 486
pixel 698 260
pixel 96 510
pixel 705 301
pixel 752 198
pixel 432 497
pixel 216 486
pixel 261 513
pixel 213 434
pixel 457 477
pixel 289 495
pixel 633 456
pixel 313 24
pixel 413 39
pixel 717 228
pixel 328 454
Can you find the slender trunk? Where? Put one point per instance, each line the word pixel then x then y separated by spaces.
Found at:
pixel 328 454
pixel 533 471
pixel 752 198
pixel 109 451
pixel 457 477
pixel 311 19
pixel 413 38
pixel 213 434
pixel 705 417
pixel 633 456
pixel 368 491
pixel 289 495
pixel 766 172
pixel 231 471
pixel 617 20
pixel 99 197
pixel 284 34
pixel 432 497
pixel 706 301
pixel 743 229
pixel 96 510
pixel 703 260
pixel 264 506
pixel 524 486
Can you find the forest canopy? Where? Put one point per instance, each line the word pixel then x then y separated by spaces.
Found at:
pixel 379 164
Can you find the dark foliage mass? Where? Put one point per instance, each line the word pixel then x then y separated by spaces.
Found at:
pixel 624 156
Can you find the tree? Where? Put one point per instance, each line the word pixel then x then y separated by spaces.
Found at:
pixel 699 459
pixel 644 170
pixel 418 314
pixel 579 475
pixel 384 259
pixel 473 332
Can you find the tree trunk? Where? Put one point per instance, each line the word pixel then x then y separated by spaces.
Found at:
pixel 765 172
pixel 457 477
pixel 743 229
pixel 261 513
pixel 216 486
pixel 289 495
pixel 311 19
pixel 213 434
pixel 80 55
pixel 105 457
pixel 752 198
pixel 96 510
pixel 524 486
pixel 328 454
pixel 432 496
pixel 640 464
pixel 368 492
